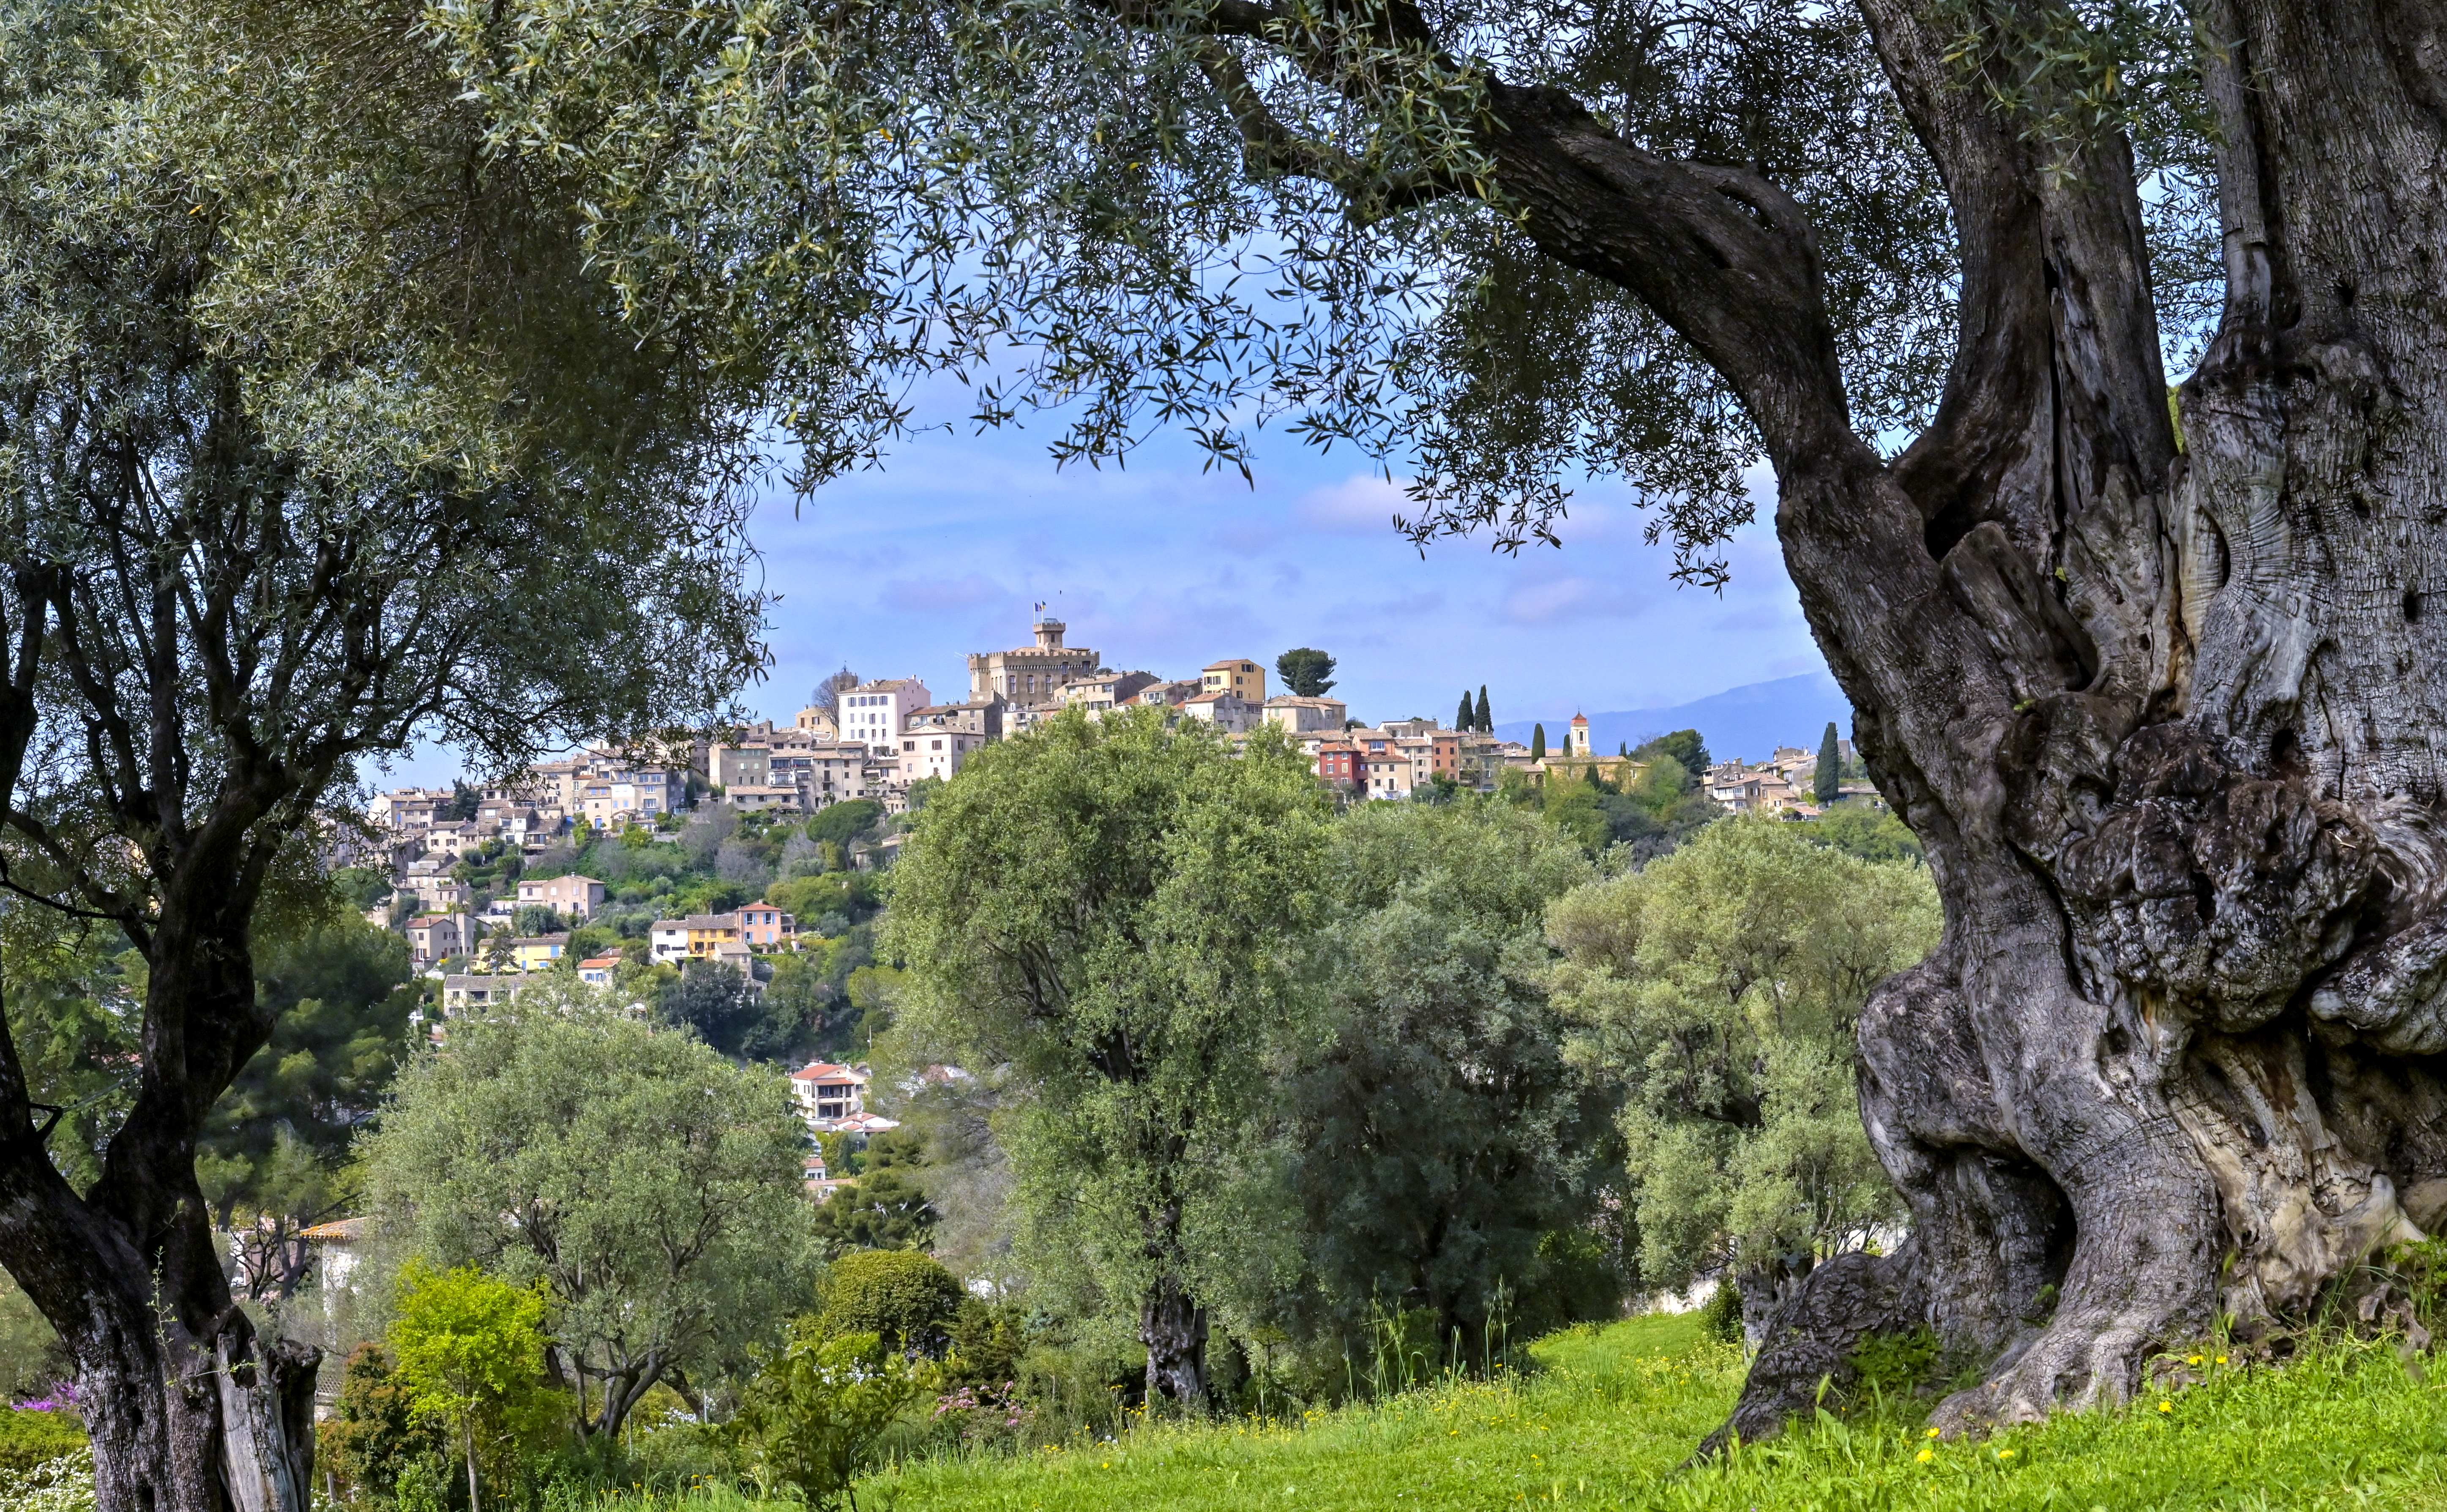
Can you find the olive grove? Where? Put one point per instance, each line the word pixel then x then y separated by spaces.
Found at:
pixel 2157 690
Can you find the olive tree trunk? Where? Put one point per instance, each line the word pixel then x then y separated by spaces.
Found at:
pixel 1173 1327
pixel 189 1409
pixel 2172 722
pixel 1172 1322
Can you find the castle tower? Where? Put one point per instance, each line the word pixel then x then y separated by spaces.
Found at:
pixel 1030 675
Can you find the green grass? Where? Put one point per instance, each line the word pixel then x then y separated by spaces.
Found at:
pixel 1612 1412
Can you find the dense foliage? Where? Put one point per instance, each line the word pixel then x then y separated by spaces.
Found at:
pixel 470 1357
pixel 1720 988
pixel 901 1297
pixel 1435 1134
pixel 275 1143
pixel 1102 908
pixel 815 1407
pixel 1652 805
pixel 647 1184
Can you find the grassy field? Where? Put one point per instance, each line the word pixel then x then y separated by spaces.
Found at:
pixel 1611 1413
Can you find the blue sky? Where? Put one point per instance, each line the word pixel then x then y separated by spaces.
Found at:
pixel 903 570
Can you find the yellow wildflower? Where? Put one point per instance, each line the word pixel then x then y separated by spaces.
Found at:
pixel 2221 1359
pixel 2191 1359
pixel 1932 1433
pixel 1926 1455
pixel 2005 1454
pixel 2166 1406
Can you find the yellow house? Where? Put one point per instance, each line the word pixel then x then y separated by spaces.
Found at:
pixel 538 952
pixel 1245 680
pixel 708 933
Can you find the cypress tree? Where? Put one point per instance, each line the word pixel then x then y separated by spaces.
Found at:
pixel 1486 720
pixel 1537 743
pixel 1466 718
pixel 1831 769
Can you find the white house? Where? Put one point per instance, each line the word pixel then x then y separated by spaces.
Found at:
pixel 1298 715
pixel 1227 712
pixel 877 712
pixel 570 897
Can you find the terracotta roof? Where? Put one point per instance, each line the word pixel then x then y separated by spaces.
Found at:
pixel 598 961
pixel 826 1071
pixel 341 1231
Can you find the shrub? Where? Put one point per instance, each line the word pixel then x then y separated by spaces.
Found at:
pixel 375 1433
pixel 30 1436
pixel 843 822
pixel 61 1485
pixel 850 895
pixel 810 1417
pixel 1576 1280
pixel 987 1342
pixel 904 1298
pixel 1720 1317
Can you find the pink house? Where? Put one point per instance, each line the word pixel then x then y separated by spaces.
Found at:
pixel 765 927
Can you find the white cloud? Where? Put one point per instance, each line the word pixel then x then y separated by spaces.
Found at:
pixel 1552 600
pixel 1361 504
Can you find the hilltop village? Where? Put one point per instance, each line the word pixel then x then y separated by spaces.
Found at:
pixel 752 851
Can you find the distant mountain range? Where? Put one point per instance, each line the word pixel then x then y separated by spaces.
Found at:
pixel 1749 721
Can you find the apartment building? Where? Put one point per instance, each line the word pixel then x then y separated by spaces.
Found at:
pixel 536 953
pixel 1384 769
pixel 877 712
pixel 764 926
pixel 1102 692
pixel 981 717
pixel 452 837
pixel 1165 696
pixel 730 936
pixel 828 1091
pixel 461 991
pixel 409 808
pixel 1337 762
pixel 931 750
pixel 437 937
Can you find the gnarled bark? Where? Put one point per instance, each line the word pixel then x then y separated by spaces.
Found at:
pixel 1172 1325
pixel 2177 755
pixel 189 1409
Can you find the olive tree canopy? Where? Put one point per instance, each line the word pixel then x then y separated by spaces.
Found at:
pixel 316 438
